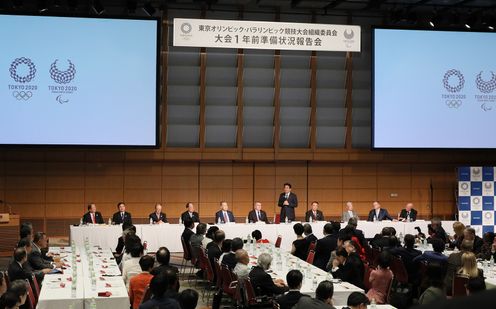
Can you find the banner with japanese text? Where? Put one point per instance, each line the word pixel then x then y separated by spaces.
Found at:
pixel 265 35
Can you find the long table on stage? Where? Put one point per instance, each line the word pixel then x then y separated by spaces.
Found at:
pixel 169 235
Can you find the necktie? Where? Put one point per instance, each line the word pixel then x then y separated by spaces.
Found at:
pixel 408 214
pixel 226 219
pixel 258 216
pixel 93 218
pixel 122 216
pixel 314 215
pixel 287 195
pixel 191 215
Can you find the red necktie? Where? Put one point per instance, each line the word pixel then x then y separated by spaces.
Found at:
pixel 93 218
pixel 314 216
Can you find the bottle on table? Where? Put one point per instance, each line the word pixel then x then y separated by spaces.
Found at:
pixel 310 220
pixel 373 304
pixel 110 221
pixel 80 221
pixel 93 303
pixel 246 220
pixel 180 220
pixel 151 221
pixel 219 221
pixel 286 220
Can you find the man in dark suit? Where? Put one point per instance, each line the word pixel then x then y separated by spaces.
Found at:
pixel 229 259
pixel 322 300
pixel 436 230
pixel 261 280
pixel 214 248
pixel 288 202
pixel 314 213
pixel 294 278
pixel 92 216
pixel 189 225
pixel 163 260
pixel 190 213
pixel 378 213
pixel 309 236
pixel 224 215
pixel 257 214
pixel 158 216
pixel 408 214
pixel 16 269
pixel 35 257
pixel 122 216
pixel 326 245
pixel 348 266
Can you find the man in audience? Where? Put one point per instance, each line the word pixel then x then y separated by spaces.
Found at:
pixel 348 266
pixel 138 283
pixel 27 245
pixel 475 285
pixel 214 248
pixel 188 299
pixel 326 245
pixel 158 287
pixel 92 216
pixel 455 262
pixel 163 259
pixel 357 300
pixel 294 278
pixel 209 236
pixel 131 267
pixel 349 213
pixel 196 240
pixel 35 257
pixel 224 215
pixel 257 214
pixel 26 230
pixel 261 280
pixel 172 282
pixel 354 232
pixel 158 216
pixel 314 213
pixel 309 236
pixel 407 254
pixel 229 259
pixel 190 213
pixel 434 256
pixel 288 201
pixel 436 230
pixel 16 269
pixel 9 300
pixel 322 300
pixel 383 240
pixel 469 234
pixel 378 213
pixel 19 288
pixel 119 250
pixel 408 214
pixel 122 216
pixel 189 225
pixel 242 270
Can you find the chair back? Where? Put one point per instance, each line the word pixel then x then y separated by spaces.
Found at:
pixel 194 257
pixel 310 257
pixel 36 286
pixel 207 266
pixel 251 297
pixel 6 276
pixel 227 279
pixel 30 300
pixel 278 241
pixel 311 246
pixel 399 270
pixel 458 288
pixel 367 269
pixel 390 288
pixel 186 254
pixel 147 294
pixel 217 272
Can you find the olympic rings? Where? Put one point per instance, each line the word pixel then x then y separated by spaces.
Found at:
pixel 454 103
pixel 22 95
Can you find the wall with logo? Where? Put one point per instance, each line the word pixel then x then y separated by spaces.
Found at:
pixel 476 197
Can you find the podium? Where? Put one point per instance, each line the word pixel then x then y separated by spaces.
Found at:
pixel 9 233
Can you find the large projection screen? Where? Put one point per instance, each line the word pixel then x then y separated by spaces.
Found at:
pixel 433 89
pixel 71 81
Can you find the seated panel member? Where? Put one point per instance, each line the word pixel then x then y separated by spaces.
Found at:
pixel 314 213
pixel 92 216
pixel 224 214
pixel 122 216
pixel 158 216
pixel 349 213
pixel 190 213
pixel 257 214
pixel 378 213
pixel 408 214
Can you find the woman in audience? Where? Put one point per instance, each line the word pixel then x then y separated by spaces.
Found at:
pixel 209 236
pixel 435 280
pixel 257 235
pixel 299 248
pixel 380 279
pixel 469 266
pixel 131 266
pixel 487 244
pixel 457 239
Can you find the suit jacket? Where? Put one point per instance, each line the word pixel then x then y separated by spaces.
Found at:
pixel 117 219
pixel 383 215
pixel 310 238
pixel 352 271
pixel 346 216
pixel 120 245
pixel 36 260
pixel 98 218
pixel 156 218
pixel 263 284
pixel 312 303
pixel 288 300
pixel 17 272
pixel 186 235
pixel 318 217
pixel 229 260
pixel 220 215
pixel 323 250
pixel 252 216
pixel 288 211
pixel 195 217
pixel 413 214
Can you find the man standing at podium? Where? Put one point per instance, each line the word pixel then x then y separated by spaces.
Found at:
pixel 122 216
pixel 288 202
pixel 92 216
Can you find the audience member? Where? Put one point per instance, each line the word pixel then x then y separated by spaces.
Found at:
pixel 457 238
pixel 407 254
pixel 229 258
pixel 163 260
pixel 209 237
pixel 475 285
pixel 454 263
pixel 294 278
pixel 158 287
pixel 469 266
pixel 433 256
pixel 196 240
pixel 348 266
pixel 322 300
pixel 188 299
pixel 16 269
pixel 299 248
pixel 380 279
pixel 326 245
pixel 435 280
pixel 436 230
pixel 9 300
pixel 131 267
pixel 357 300
pixel 469 234
pixel 138 283
pixel 262 281
pixel 257 236
pixel 19 288
pixel 487 246
pixel 242 270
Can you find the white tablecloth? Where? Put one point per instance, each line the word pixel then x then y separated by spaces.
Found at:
pixel 169 235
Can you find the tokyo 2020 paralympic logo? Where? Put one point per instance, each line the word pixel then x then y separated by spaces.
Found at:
pixel 486 86
pixel 448 85
pixel 62 77
pixel 22 79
